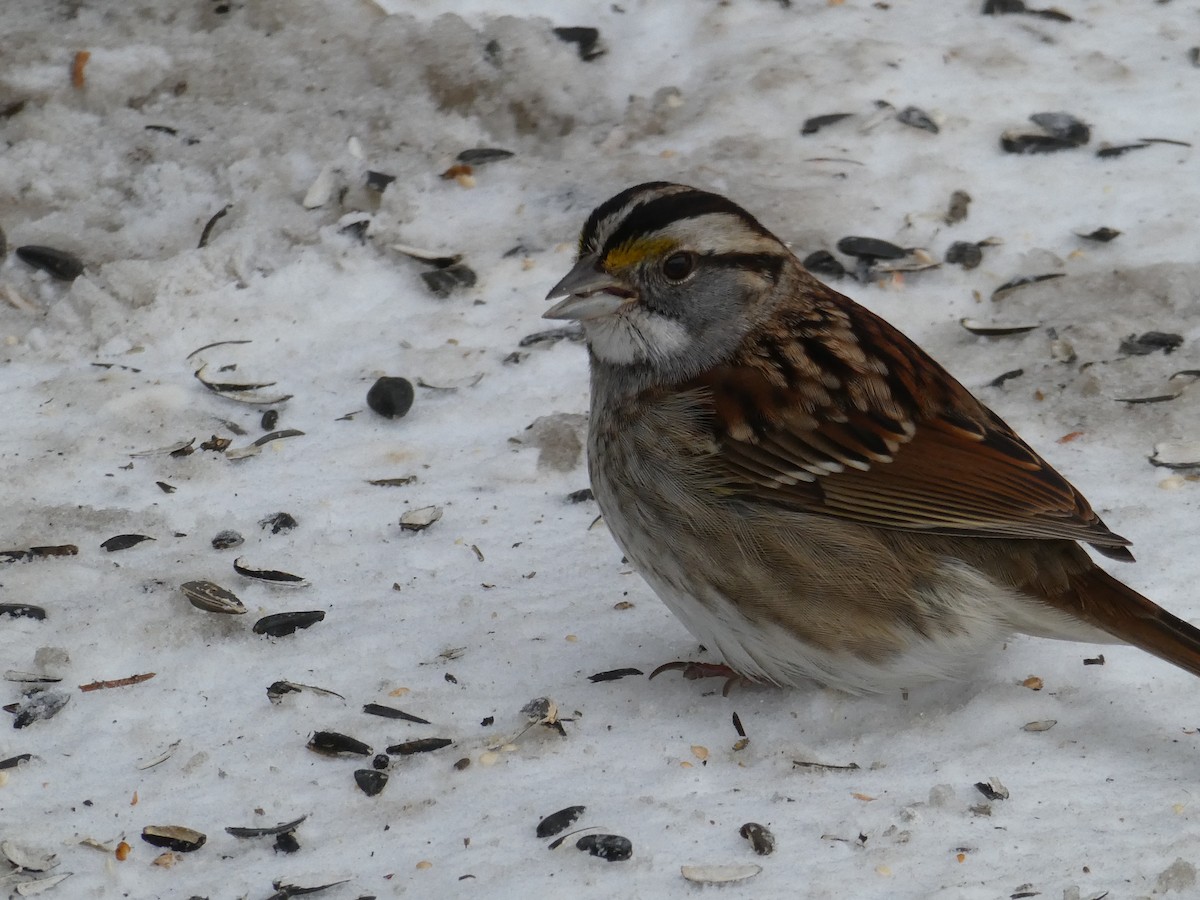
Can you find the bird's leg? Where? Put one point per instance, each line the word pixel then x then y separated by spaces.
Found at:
pixel 695 670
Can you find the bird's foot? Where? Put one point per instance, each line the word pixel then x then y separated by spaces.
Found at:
pixel 695 670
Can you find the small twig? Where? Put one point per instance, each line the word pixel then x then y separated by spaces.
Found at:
pixel 120 682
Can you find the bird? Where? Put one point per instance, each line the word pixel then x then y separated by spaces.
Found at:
pixel 807 490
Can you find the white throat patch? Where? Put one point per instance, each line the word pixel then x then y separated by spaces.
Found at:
pixel 636 336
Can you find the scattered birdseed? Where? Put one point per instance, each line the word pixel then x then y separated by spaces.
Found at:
pixel 822 262
pixel 391 396
pixel 719 874
pixel 560 821
pixel 174 837
pixel 370 781
pixel 760 837
pixel 283 579
pixel 333 743
pixel 124 541
pixel 285 623
pixel 57 264
pixel 224 540
pixel 586 40
pixel 211 597
pixel 915 117
pixel 967 254
pixel 816 123
pixel 1150 342
pixel 610 847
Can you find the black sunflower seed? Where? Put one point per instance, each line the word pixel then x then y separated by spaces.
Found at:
pixel 481 156
pixel 559 821
pixel 285 623
pixel 613 675
pixel 967 254
pixel 378 181
pixel 870 248
pixel 816 123
pixel 22 611
pixel 333 743
pixel 916 117
pixel 370 781
pixel 822 262
pixel 387 712
pixel 611 847
pixel 1103 235
pixel 1150 342
pixel 760 838
pixel 444 282
pixel 585 38
pixel 57 263
pixel 174 837
pixel 420 745
pixel 391 396
pixel 124 541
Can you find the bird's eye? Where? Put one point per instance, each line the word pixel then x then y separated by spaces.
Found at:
pixel 679 266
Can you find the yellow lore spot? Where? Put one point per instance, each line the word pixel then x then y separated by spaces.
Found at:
pixel 633 252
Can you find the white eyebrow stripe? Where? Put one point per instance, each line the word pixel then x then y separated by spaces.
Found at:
pixel 719 233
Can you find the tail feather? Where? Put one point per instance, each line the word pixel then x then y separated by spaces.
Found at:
pixel 1098 598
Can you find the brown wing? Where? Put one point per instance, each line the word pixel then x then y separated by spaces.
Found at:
pixel 832 410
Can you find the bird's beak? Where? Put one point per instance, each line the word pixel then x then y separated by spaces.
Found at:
pixel 588 292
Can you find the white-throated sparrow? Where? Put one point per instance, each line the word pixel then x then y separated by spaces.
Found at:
pixel 802 485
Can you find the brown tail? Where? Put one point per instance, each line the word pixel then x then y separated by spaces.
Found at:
pixel 1101 600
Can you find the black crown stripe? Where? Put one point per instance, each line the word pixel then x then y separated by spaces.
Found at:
pixel 656 214
pixel 606 209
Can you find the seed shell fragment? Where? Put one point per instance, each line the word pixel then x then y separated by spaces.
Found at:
pixel 610 847
pixel 420 519
pixel 982 328
pixel 1101 235
pixel 1176 454
pixel 387 712
pixel 370 781
pixel 224 540
pixel 613 675
pixel 38 553
pixel 444 282
pixel 992 789
pixel 560 821
pixel 1023 281
pixel 22 611
pixel 760 837
pixel 719 874
pixel 1150 342
pixel 272 575
pixel 212 597
pixel 174 837
pixel 967 254
pixel 124 541
pixel 285 623
pixel 480 156
pixel 915 117
pixel 1043 725
pixel 264 831
pixel 816 123
pixel 586 40
pixel 40 885
pixel 822 262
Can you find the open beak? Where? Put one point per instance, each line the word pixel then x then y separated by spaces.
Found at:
pixel 588 292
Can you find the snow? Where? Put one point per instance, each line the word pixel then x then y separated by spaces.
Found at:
pixel 516 593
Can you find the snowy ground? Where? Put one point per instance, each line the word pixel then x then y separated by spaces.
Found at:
pixel 513 594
